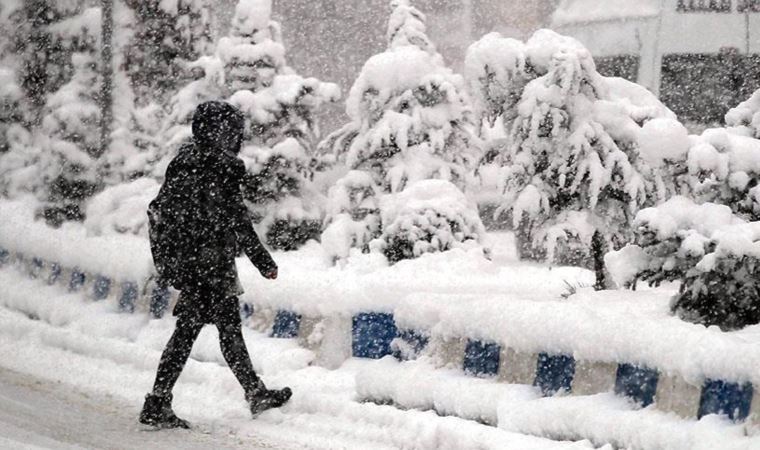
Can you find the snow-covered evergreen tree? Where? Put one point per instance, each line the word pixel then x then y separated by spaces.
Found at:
pixel 56 161
pixel 167 35
pixel 248 68
pixel 71 141
pixel 571 172
pixel 11 97
pixel 35 28
pixel 707 241
pixel 410 121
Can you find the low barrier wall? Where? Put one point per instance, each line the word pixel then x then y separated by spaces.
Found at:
pixel 483 339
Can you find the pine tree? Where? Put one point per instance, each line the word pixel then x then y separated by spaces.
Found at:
pixel 572 174
pixel 248 68
pixel 167 35
pixel 11 97
pixel 410 121
pixel 71 142
pixel 44 56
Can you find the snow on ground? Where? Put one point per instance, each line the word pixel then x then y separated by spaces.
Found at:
pixel 85 355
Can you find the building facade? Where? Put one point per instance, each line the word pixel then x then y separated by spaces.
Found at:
pixel 701 57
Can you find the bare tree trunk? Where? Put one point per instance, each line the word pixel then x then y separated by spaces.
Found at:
pixel 598 249
pixel 106 89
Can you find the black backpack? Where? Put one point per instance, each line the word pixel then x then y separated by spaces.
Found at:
pixel 176 219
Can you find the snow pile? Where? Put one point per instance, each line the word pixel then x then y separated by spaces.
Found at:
pixel 121 208
pixel 572 164
pixel 572 12
pixel 410 121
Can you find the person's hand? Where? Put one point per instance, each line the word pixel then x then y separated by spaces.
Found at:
pixel 271 275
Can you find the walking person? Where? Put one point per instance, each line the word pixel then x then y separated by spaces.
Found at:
pixel 198 225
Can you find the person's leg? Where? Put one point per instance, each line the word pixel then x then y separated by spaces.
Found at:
pixel 175 355
pixel 157 410
pixel 236 354
pixel 233 346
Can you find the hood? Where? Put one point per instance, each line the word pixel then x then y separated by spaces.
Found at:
pixel 218 127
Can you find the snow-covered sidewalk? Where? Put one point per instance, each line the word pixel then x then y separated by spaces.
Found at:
pixel 38 413
pixel 80 350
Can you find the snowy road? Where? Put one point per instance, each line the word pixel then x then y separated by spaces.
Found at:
pixel 73 374
pixel 36 413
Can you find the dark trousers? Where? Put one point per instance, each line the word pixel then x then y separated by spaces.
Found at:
pixel 190 321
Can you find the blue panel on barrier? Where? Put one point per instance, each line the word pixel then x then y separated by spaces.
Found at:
pixel 128 297
pixel 55 273
pixel 101 288
pixel 554 373
pixel 721 397
pixel 414 342
pixel 35 267
pixel 5 256
pixel 481 358
pixel 372 334
pixel 286 324
pixel 159 301
pixel 637 383
pixel 246 310
pixel 77 280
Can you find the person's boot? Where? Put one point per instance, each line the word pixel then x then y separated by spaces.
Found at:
pixel 262 399
pixel 157 412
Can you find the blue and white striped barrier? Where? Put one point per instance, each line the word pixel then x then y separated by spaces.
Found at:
pixel 98 287
pixel 376 335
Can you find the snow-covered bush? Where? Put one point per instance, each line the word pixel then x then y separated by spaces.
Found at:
pixel 713 255
pixel 722 165
pixel 410 121
pixel 429 216
pixel 353 215
pixel 121 208
pixel 745 118
pixel 572 167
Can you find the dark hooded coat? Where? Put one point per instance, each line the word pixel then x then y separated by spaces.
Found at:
pixel 202 193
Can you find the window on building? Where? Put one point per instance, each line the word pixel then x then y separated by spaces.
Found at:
pixel 701 88
pixel 623 66
pixel 749 5
pixel 704 6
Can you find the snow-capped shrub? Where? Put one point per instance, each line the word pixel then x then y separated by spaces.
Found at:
pixel 745 118
pixel 409 121
pixel 571 167
pixel 713 255
pixel 353 215
pixel 429 216
pixel 121 208
pixel 723 167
